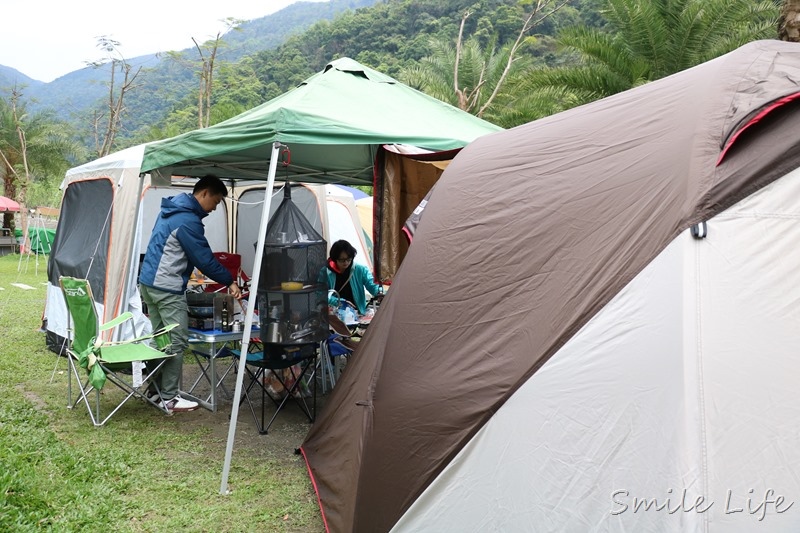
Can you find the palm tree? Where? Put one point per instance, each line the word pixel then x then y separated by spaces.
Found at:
pixel 468 87
pixel 473 77
pixel 32 147
pixel 649 39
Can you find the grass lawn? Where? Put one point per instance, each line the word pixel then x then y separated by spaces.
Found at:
pixel 142 471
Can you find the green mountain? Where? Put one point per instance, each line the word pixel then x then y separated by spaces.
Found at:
pixel 268 56
pixel 164 83
pixel 10 77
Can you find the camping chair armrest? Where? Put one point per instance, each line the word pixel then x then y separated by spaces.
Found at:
pixel 161 331
pixel 164 329
pixel 163 340
pixel 117 321
pixel 162 337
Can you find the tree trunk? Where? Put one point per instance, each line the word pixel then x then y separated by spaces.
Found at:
pixel 789 21
pixel 9 191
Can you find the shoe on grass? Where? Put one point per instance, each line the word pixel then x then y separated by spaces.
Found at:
pixel 178 405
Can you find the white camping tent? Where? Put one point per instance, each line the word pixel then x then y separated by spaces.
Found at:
pixel 365 214
pixel 342 212
pixel 94 238
pixel 99 204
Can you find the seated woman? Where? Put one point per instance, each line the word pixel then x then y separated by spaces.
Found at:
pixel 349 279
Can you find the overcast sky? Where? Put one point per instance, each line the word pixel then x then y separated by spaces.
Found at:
pixel 45 40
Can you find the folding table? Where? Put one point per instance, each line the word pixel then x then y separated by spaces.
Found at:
pixel 207 346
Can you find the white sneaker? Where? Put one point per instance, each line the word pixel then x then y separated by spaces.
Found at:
pixel 152 396
pixel 178 405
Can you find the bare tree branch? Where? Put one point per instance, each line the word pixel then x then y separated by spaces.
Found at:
pixel 8 165
pixel 476 92
pixel 104 142
pixel 24 180
pixel 207 72
pixel 462 99
pixel 530 22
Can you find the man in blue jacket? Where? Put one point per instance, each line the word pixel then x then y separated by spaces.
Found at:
pixel 178 245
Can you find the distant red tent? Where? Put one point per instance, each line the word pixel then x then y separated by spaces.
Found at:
pixel 7 204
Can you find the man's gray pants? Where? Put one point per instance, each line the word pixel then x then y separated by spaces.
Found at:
pixel 166 308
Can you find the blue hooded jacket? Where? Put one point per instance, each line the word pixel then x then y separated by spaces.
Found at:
pixel 177 245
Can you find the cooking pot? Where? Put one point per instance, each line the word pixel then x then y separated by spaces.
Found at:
pixel 274 332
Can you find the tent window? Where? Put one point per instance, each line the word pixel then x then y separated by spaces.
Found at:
pixel 80 247
pixel 758 117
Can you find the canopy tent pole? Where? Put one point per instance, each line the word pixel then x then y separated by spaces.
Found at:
pixel 248 321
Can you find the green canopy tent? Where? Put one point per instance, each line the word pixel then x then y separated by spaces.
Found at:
pixel 333 124
pixel 348 124
pixel 336 125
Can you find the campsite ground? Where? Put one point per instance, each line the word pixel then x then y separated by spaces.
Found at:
pixel 142 471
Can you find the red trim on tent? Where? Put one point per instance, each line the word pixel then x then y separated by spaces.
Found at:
pixel 756 119
pixel 316 490
pixel 407 234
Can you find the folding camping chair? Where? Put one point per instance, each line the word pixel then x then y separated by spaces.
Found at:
pixel 121 363
pixel 338 346
pixel 280 363
pixel 233 264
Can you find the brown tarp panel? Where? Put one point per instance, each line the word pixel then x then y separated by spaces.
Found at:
pixel 528 234
pixel 405 180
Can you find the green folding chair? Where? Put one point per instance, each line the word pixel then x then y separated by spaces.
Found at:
pixel 131 365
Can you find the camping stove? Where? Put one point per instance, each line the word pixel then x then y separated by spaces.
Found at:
pixel 203 324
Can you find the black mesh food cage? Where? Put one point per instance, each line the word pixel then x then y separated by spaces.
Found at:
pixel 292 290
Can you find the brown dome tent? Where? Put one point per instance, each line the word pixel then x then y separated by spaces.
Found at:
pixel 596 326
